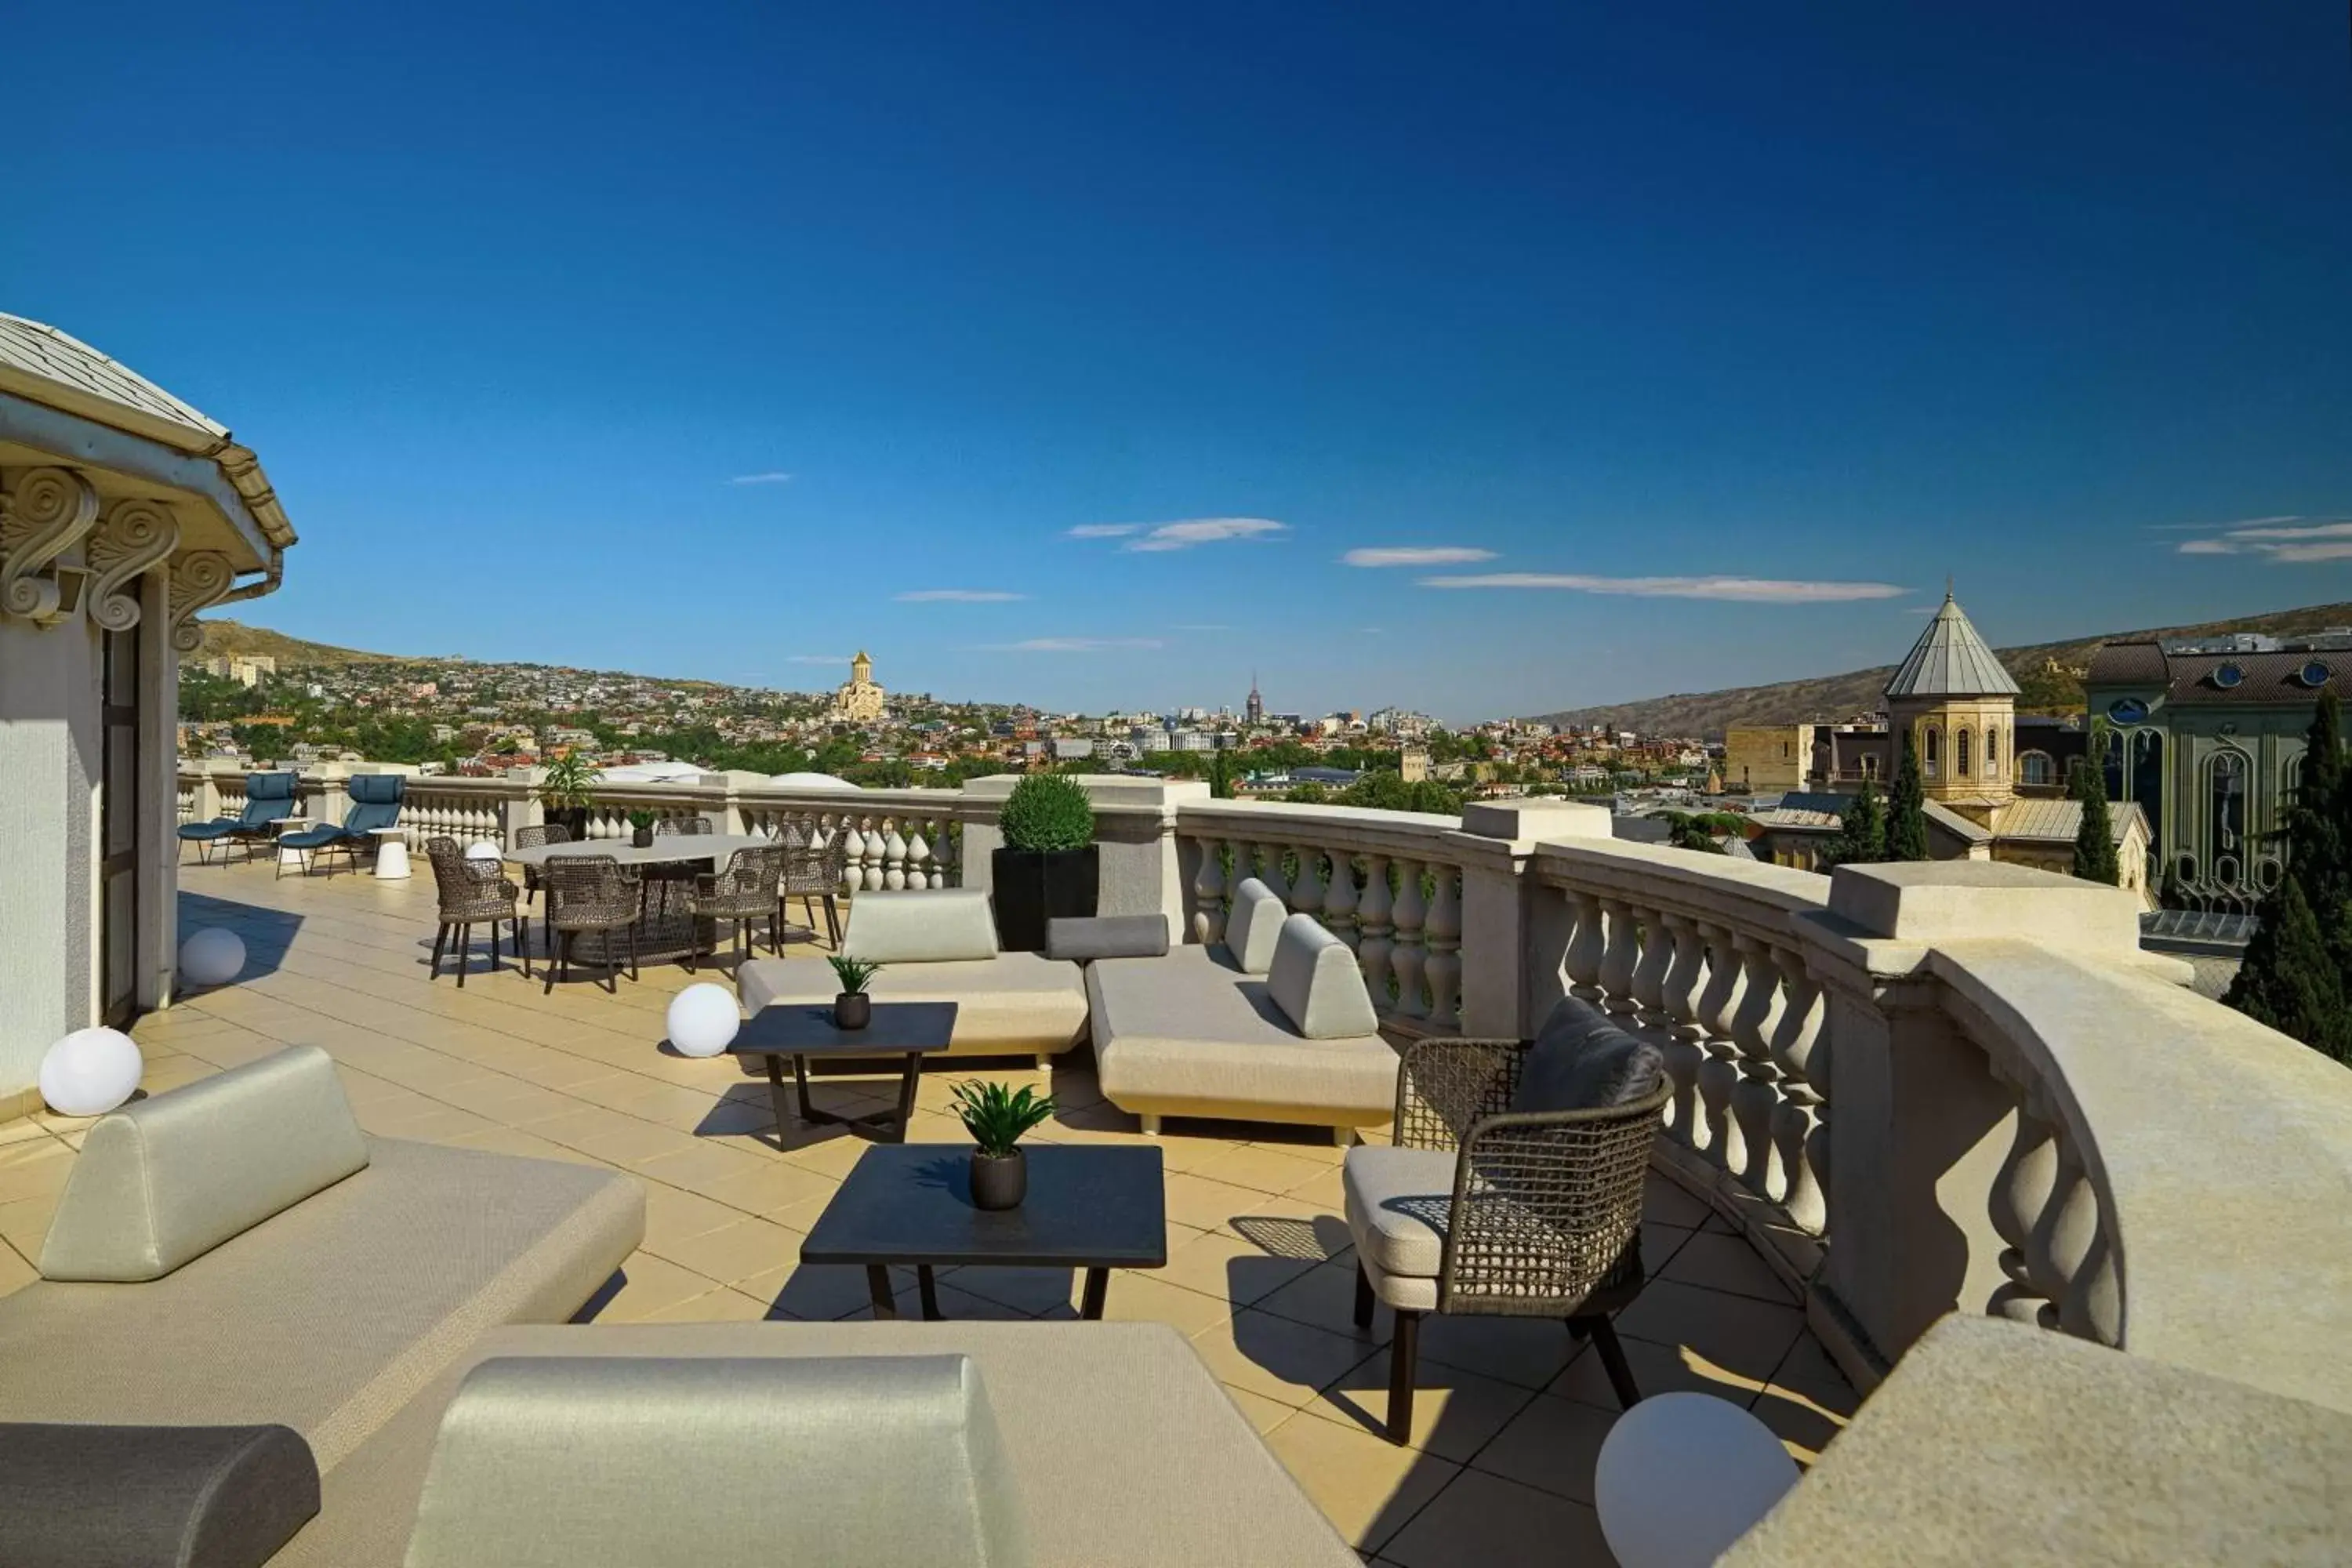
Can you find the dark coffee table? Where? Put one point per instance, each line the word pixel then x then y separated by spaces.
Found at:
pixel 912 1029
pixel 1088 1207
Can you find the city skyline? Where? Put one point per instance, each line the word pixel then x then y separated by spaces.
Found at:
pixel 1483 364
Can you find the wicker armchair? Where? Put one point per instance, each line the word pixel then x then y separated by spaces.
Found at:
pixel 1491 1211
pixel 592 893
pixel 744 892
pixel 814 871
pixel 688 825
pixel 532 838
pixel 471 893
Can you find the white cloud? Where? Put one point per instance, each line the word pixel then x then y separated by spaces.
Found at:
pixel 1155 537
pixel 773 477
pixel 1202 626
pixel 2285 540
pixel 1745 590
pixel 957 597
pixel 1103 530
pixel 1071 645
pixel 816 659
pixel 1417 555
pixel 1373 631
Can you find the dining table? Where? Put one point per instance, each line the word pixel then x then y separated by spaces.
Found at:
pixel 665 927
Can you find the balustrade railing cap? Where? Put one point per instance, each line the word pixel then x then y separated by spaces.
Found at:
pixel 1521 819
pixel 1103 790
pixel 1957 900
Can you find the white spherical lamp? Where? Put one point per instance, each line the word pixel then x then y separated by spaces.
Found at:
pixel 213 956
pixel 90 1071
pixel 1683 1476
pixel 484 850
pixel 703 1020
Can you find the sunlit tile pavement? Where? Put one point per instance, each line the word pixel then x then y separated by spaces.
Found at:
pixel 1510 1413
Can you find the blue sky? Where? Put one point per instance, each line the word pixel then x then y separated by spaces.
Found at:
pixel 719 340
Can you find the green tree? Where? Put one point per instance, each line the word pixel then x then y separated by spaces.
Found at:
pixel 1861 829
pixel 1688 832
pixel 2297 973
pixel 1906 814
pixel 1309 794
pixel 2095 836
pixel 1221 775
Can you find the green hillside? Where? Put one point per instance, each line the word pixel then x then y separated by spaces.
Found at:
pixel 224 639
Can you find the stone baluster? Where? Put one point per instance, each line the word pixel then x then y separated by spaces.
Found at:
pixel 1756 1092
pixel 947 844
pixel 1409 956
pixel 1305 896
pixel 1442 935
pixel 1245 867
pixel 894 856
pixel 1270 872
pixel 1618 961
pixel 1586 945
pixel 1684 1051
pixel 873 854
pixel 1374 929
pixel 918 856
pixel 1647 984
pixel 1719 1073
pixel 1801 1055
pixel 1209 892
pixel 1340 899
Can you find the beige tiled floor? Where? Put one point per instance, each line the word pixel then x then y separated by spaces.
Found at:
pixel 1259 1276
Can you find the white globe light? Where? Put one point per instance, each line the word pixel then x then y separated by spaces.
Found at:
pixel 1652 1513
pixel 90 1071
pixel 703 1020
pixel 213 956
pixel 485 850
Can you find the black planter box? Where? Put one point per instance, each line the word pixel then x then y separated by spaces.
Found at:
pixel 1032 886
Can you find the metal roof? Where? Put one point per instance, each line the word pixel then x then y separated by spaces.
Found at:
pixel 2198 678
pixel 35 349
pixel 1951 660
pixel 2057 821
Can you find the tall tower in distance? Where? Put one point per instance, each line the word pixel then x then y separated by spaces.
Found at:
pixel 1958 703
pixel 1255 710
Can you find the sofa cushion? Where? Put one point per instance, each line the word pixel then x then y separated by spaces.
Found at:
pixel 1582 1061
pixel 1013 1003
pixel 1107 936
pixel 1398 1201
pixel 920 928
pixel 165 1180
pixel 1254 926
pixel 890 1460
pixel 1066 1397
pixel 331 1315
pixel 1188 1035
pixel 1314 981
pixel 76 1496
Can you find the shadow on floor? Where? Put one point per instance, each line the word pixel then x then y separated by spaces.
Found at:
pixel 267 933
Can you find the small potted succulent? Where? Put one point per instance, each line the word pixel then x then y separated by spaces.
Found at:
pixel 563 791
pixel 853 1009
pixel 996 1117
pixel 1049 868
pixel 641 829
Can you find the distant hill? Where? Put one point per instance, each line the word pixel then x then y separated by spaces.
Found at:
pixel 2051 674
pixel 224 639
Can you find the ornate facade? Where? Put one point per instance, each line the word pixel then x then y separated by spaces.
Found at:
pixel 858 700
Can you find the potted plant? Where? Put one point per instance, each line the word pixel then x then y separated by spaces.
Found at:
pixel 1049 868
pixel 563 791
pixel 996 1117
pixel 641 828
pixel 853 1009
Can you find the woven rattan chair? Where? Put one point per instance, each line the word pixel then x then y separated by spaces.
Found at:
pixel 1516 1214
pixel 532 838
pixel 744 892
pixel 814 871
pixel 592 893
pixel 686 825
pixel 471 893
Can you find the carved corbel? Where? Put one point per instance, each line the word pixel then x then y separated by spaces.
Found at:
pixel 199 578
pixel 44 512
pixel 133 536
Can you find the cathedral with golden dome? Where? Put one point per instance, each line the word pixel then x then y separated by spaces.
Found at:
pixel 858 700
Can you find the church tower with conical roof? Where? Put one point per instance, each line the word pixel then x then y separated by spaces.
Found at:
pixel 1959 705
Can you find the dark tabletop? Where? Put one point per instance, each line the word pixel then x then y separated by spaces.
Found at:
pixel 807 1031
pixel 1088 1207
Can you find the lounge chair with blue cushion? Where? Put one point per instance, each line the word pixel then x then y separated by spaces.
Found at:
pixel 375 803
pixel 267 798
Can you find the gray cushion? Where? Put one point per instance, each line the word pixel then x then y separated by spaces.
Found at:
pixel 174 1497
pixel 1254 927
pixel 1582 1061
pixel 166 1179
pixel 1315 980
pixel 919 928
pixel 1107 936
pixel 1398 1203
pixel 823 1462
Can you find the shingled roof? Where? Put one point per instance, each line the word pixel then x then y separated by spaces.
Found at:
pixel 1951 660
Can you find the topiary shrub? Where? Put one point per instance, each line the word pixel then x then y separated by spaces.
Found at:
pixel 1046 812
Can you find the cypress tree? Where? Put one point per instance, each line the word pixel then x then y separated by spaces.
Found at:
pixel 1906 819
pixel 1861 829
pixel 2095 836
pixel 2289 980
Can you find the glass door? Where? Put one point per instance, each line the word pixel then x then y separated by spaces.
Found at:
pixel 118 830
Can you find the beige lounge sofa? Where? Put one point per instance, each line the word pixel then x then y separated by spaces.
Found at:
pixel 1276 1025
pixel 237 1252
pixel 1007 1444
pixel 942 947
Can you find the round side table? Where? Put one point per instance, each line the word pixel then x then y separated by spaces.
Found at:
pixel 391 855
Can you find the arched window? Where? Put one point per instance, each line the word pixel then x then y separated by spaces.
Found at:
pixel 2145 782
pixel 1992 751
pixel 2225 815
pixel 1960 753
pixel 2034 768
pixel 1932 751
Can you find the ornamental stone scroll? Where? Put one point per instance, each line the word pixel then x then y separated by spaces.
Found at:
pixel 134 536
pixel 199 578
pixel 44 512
